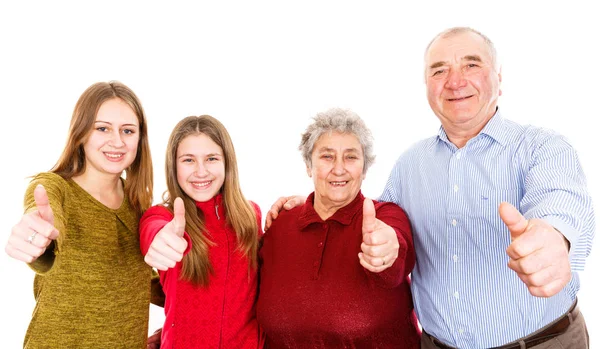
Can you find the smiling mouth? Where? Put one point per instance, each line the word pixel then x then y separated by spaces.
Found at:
pixel 114 156
pixel 201 185
pixel 459 99
pixel 338 183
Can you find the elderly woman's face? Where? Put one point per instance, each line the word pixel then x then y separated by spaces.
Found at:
pixel 337 169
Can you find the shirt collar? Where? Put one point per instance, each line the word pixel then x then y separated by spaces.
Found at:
pixel 343 215
pixel 494 129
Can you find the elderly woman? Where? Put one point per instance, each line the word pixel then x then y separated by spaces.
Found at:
pixel 329 277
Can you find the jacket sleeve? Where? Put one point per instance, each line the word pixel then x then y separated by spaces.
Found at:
pixel 395 217
pixel 152 221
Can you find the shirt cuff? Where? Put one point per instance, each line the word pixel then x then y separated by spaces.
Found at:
pixel 566 230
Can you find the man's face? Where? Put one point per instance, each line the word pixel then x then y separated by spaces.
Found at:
pixel 462 83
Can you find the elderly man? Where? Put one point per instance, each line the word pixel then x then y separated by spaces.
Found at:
pixel 502 219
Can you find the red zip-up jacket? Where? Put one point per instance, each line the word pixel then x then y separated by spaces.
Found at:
pixel 222 315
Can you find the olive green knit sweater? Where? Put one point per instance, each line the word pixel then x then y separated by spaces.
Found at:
pixel 92 287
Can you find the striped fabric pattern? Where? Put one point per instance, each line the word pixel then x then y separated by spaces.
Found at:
pixel 464 293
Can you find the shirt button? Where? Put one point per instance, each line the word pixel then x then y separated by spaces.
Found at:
pixel 454 222
pixel 455 188
pixel 320 244
pixel 458 156
pixel 456 294
pixel 455 258
pixel 461 330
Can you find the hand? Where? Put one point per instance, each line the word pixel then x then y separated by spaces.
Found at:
pixel 287 202
pixel 31 236
pixel 168 245
pixel 380 242
pixel 154 340
pixel 539 254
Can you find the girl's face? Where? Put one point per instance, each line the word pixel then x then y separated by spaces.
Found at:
pixel 200 167
pixel 112 145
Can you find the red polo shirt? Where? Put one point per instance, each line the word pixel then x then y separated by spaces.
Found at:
pixel 315 294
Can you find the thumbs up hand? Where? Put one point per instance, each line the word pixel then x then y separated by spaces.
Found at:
pixel 35 231
pixel 380 242
pixel 539 254
pixel 168 245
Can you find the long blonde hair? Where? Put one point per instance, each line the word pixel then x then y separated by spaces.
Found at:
pixel 239 213
pixel 71 163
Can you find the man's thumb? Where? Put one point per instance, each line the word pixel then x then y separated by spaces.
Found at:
pixel 514 220
pixel 43 204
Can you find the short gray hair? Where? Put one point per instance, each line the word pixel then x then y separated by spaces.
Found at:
pixel 342 121
pixel 459 30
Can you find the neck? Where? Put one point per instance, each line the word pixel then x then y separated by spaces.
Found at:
pixel 100 184
pixel 326 210
pixel 460 134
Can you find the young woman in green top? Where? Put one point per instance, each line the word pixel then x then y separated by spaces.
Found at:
pixel 79 230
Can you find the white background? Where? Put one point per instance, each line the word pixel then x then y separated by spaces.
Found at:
pixel 264 69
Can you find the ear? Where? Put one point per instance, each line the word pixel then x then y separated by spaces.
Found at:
pixel 500 80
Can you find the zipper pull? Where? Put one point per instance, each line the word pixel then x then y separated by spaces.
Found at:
pixel 217 211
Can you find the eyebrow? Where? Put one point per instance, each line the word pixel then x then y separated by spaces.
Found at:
pixel 474 58
pixel 192 155
pixel 327 149
pixel 106 122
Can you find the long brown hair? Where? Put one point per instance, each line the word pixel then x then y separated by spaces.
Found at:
pixel 239 213
pixel 71 163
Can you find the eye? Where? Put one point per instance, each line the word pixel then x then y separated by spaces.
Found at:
pixel 128 131
pixel 101 129
pixel 472 65
pixel 327 156
pixel 352 157
pixel 188 160
pixel 212 158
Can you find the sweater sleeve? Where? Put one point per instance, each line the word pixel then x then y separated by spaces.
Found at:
pixel 55 188
pixel 395 217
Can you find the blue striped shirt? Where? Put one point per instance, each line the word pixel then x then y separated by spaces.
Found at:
pixel 464 292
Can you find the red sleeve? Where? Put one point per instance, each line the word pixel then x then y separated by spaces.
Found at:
pixel 152 221
pixel 392 215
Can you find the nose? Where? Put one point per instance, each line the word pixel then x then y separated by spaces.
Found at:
pixel 116 139
pixel 455 79
pixel 338 167
pixel 201 170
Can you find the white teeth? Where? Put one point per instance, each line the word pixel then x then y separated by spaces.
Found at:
pixel 201 184
pixel 338 183
pixel 113 156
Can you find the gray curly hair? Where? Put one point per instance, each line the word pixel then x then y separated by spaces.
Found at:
pixel 342 121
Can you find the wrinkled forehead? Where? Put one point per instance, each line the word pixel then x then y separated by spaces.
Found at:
pixel 454 48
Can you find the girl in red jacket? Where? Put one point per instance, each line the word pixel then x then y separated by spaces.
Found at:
pixel 203 239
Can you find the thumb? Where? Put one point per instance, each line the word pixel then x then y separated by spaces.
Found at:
pixel 43 204
pixel 178 217
pixel 369 219
pixel 514 220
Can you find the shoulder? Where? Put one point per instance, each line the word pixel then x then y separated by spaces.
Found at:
pixel 49 179
pixel 158 211
pixel 55 185
pixel 388 208
pixel 416 150
pixel 255 207
pixel 539 143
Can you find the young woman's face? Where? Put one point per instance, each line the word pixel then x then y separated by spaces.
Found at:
pixel 200 167
pixel 112 145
